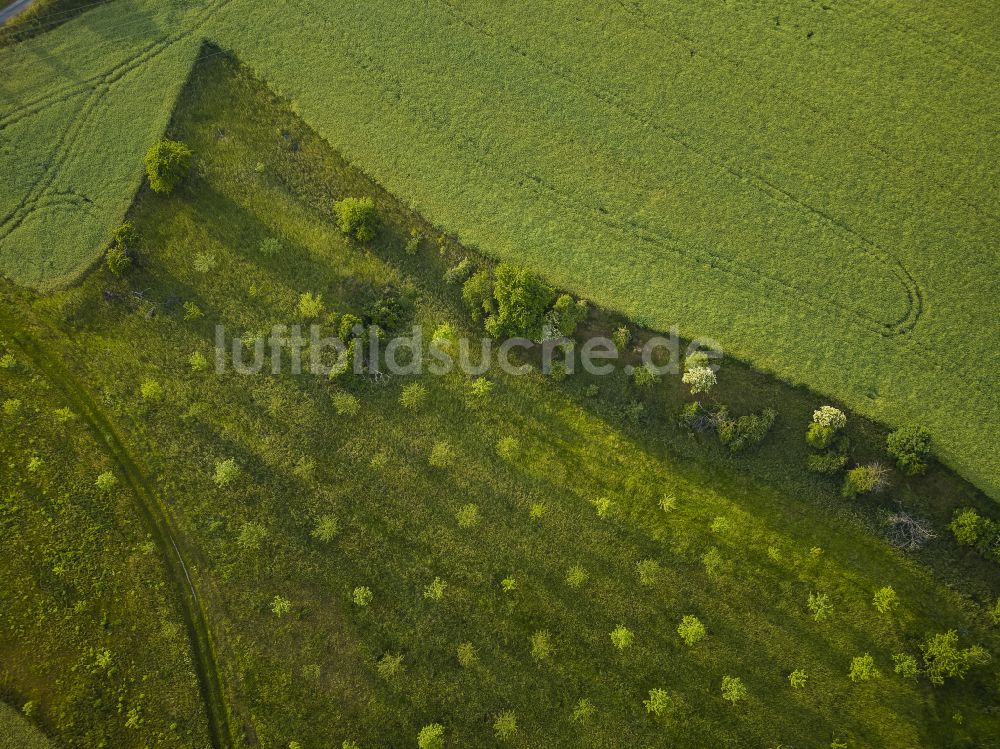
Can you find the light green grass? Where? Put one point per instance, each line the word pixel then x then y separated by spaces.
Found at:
pixel 822 205
pixel 17 732
pixel 311 675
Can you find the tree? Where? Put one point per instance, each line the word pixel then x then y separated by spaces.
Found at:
pixel 413 396
pixel 345 404
pixel 691 630
pixel 733 689
pixel 699 379
pixel 151 390
pixel 431 737
pixel 167 163
pixel 828 416
pixel 622 637
pixel 390 666
pixel 356 217
pixel 645 376
pixel 658 702
pixel 442 455
pixel 521 300
pixel 280 606
pixel 863 668
pixel 911 447
pixel 905 665
pixel 577 576
pixel 118 260
pixel 885 600
pixel 621 337
pixel 477 293
pixel 505 725
pixel 251 536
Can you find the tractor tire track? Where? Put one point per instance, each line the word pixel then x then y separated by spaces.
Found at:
pixel 154 515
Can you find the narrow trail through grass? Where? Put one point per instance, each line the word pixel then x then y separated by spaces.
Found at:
pixel 152 511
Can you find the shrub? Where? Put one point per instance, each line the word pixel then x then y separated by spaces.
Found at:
pixel 699 379
pixel 576 576
pixel 828 416
pixel 459 272
pixel 820 606
pixel 251 536
pixel 431 737
pixel 505 725
pixel 468 516
pixel 885 600
pixel 151 390
pixel 390 310
pixel 649 571
pixel 558 371
pixel 746 431
pixel 269 247
pixel 536 510
pixel 280 606
pixel 197 361
pixel 467 657
pixel 118 260
pixel 567 313
pixel 389 666
pixel 797 678
pixel 413 396
pixel 356 217
pixel 965 526
pixel 508 584
pixel 435 589
pixel 658 702
pixel 7 361
pixel 362 596
pixel 413 243
pixel 733 689
pixel 863 668
pixel 603 506
pixel 326 528
pixel 541 645
pixel 621 338
pixel 344 403
pixel 622 637
pixel 480 387
pixel 865 479
pixel 691 630
pixel 310 305
pixel 226 472
pixel 995 613
pixel 204 262
pixel 442 455
pixel 477 293
pixel 645 376
pixel 712 560
pixel 583 711
pixel 192 311
pixel 167 163
pixel 911 447
pixel 819 436
pixel 106 482
pixel 943 659
pixel 905 665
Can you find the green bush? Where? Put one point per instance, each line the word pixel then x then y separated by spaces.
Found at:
pixel 826 463
pixel 505 725
pixel 567 313
pixel 124 246
pixel 521 301
pixel 167 163
pixel 458 273
pixel 691 630
pixel 911 447
pixel 819 436
pixel 733 689
pixel 943 659
pixel 865 479
pixel 356 217
pixel 390 310
pixel 431 737
pixel 658 702
pixel 965 526
pixel 863 668
pixel 622 637
pixel 746 431
pixel 477 293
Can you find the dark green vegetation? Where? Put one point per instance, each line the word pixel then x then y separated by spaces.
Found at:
pixel 379 556
pixel 814 184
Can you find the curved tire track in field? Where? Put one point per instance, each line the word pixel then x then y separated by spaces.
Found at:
pixel 154 516
pixel 910 287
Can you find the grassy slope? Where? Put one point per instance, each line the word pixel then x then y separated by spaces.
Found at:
pixel 80 577
pixel 752 174
pixel 397 514
pixel 15 731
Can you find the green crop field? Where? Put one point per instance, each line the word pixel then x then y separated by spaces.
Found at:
pixel 814 185
pixel 193 557
pixel 500 543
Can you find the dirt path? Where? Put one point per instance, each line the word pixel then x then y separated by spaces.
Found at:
pixel 154 515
